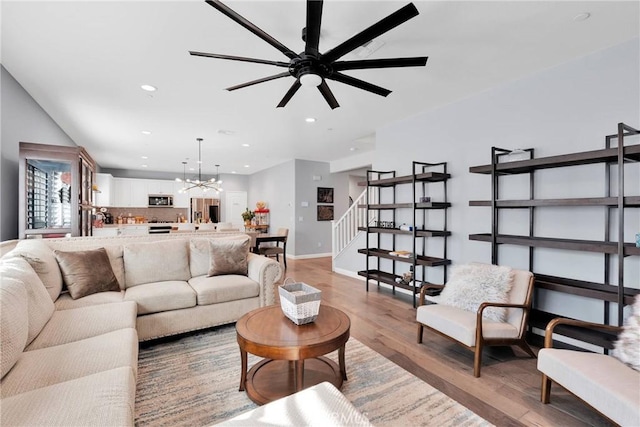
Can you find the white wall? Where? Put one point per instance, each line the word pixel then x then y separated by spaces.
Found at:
pixel 561 110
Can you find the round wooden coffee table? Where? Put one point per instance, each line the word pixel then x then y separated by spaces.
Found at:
pixel 292 353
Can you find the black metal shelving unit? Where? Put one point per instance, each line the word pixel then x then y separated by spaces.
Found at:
pixel 386 184
pixel 614 156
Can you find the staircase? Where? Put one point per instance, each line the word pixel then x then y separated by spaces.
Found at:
pixel 345 229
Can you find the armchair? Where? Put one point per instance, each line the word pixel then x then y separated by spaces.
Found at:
pixel 473 329
pixel 601 381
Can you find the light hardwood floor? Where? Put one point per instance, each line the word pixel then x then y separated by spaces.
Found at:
pixel 506 394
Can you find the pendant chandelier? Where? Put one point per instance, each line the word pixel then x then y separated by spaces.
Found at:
pixel 214 184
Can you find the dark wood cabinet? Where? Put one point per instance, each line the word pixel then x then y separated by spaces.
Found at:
pixel 56 191
pixel 616 202
pixel 386 238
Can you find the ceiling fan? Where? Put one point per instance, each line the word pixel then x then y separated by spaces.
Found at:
pixel 312 68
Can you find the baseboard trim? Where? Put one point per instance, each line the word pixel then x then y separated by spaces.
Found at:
pixel 309 256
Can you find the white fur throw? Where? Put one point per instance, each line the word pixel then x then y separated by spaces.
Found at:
pixel 627 347
pixel 472 284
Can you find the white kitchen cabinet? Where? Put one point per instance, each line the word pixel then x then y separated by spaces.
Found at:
pixel 180 200
pixel 105 232
pixel 105 195
pixel 122 193
pixel 159 186
pixel 139 193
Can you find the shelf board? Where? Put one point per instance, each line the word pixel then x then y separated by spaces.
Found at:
pixel 633 201
pixel 555 243
pixel 430 205
pixel 388 278
pixel 419 233
pixel 632 152
pixel 540 319
pixel 585 289
pixel 408 179
pixel 419 260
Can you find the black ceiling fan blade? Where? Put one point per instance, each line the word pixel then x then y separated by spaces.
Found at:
pixel 418 61
pixel 262 80
pixel 328 95
pixel 396 18
pixel 314 20
pixel 239 58
pixel 292 90
pixel 226 10
pixel 360 84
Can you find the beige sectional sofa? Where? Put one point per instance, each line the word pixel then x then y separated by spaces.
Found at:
pixel 73 361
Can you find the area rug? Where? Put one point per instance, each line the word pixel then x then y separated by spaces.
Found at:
pixel 193 381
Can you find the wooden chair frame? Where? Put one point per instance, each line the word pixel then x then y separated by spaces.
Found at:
pixel 545 392
pixel 481 342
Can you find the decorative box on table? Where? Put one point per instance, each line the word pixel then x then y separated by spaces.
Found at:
pixel 300 302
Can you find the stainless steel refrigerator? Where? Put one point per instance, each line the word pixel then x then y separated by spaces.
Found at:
pixel 205 210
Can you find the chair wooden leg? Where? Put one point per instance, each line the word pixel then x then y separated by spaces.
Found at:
pixel 420 330
pixel 545 393
pixel 477 359
pixel 284 258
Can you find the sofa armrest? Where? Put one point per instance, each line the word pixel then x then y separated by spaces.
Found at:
pixel 548 336
pixel 266 272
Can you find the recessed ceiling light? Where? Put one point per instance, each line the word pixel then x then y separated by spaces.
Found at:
pixel 225 132
pixel 246 145
pixel 146 132
pixel 144 157
pixel 247 166
pixel 310 119
pixel 144 166
pixel 192 169
pixel 233 172
pixel 353 149
pixel 149 88
pixel 582 16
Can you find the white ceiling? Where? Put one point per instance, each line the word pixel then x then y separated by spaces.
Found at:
pixel 84 62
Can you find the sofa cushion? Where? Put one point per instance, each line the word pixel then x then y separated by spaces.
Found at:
pixel 40 306
pixel 53 365
pixel 87 272
pixel 42 260
pixel 65 302
pixel 472 284
pixel 85 322
pixel 102 399
pixel 627 347
pixel 161 296
pixel 156 262
pixel 14 321
pixel 230 287
pixel 229 256
pixel 460 324
pixel 602 381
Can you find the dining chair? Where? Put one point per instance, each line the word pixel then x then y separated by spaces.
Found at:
pixel 277 249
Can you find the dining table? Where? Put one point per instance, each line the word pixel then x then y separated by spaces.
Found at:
pixel 265 237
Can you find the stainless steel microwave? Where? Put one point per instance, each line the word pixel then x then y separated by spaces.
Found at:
pixel 160 201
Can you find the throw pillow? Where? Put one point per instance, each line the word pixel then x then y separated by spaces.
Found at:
pixel 13 322
pixel 87 272
pixel 229 256
pixel 41 258
pixel 472 284
pixel 627 347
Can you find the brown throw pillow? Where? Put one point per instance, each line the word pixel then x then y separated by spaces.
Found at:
pixel 87 272
pixel 229 256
